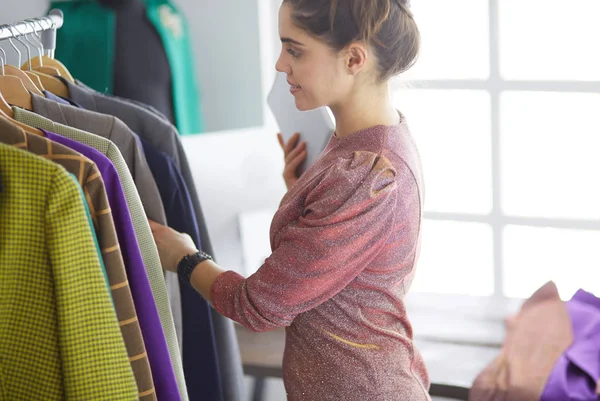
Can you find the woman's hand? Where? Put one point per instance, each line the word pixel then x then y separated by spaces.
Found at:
pixel 295 154
pixel 172 245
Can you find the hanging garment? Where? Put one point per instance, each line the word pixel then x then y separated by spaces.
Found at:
pixel 162 135
pixel 535 339
pixel 345 241
pixel 60 338
pixel 204 384
pixel 576 375
pixel 87 47
pixel 159 357
pixel 117 132
pixel 154 209
pixel 153 83
pixel 164 377
pixel 88 215
pixel 91 182
pixel 52 96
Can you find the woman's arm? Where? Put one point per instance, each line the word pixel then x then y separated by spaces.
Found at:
pixel 347 219
pixel 173 247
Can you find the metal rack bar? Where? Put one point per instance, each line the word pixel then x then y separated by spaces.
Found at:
pixel 46 26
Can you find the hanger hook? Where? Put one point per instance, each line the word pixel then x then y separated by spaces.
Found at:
pixel 35 23
pixel 12 44
pixel 3 52
pixel 24 44
pixel 29 37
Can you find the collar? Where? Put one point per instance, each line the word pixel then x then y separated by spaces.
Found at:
pixel 81 94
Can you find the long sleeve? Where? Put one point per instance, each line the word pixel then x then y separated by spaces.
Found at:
pixel 94 359
pixel 346 220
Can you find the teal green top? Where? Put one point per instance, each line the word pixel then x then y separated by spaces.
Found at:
pixel 86 46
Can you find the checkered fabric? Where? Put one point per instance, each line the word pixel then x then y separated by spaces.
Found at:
pixel 59 335
pixel 91 182
pixel 141 226
pixel 88 215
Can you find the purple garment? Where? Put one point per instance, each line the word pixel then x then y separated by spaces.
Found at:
pixel 145 306
pixel 58 99
pixel 577 372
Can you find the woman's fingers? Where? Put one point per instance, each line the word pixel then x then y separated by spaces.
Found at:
pixel 293 164
pixel 300 148
pixel 291 144
pixel 281 141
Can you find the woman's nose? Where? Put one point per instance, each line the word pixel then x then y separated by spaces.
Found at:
pixel 281 66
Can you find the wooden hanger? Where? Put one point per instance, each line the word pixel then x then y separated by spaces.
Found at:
pixel 52 71
pixel 26 81
pixel 45 75
pixel 36 80
pixel 15 92
pixel 8 114
pixel 52 84
pixel 45 64
pixel 45 61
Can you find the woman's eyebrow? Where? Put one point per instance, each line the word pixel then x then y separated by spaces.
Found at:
pixel 290 40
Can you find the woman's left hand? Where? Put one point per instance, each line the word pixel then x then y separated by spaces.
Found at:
pixel 172 245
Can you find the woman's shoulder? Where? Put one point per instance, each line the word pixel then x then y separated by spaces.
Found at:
pixel 359 174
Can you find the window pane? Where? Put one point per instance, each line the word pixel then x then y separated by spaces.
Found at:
pixel 549 147
pixel 533 255
pixel 454 40
pixel 549 40
pixel 452 130
pixel 456 258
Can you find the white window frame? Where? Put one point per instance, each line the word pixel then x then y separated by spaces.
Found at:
pixel 495 85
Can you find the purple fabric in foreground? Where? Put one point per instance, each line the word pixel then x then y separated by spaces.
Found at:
pixel 577 373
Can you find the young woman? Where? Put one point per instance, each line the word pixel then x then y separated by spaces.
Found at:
pixel 345 240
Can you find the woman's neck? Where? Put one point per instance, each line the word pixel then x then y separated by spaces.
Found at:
pixel 365 108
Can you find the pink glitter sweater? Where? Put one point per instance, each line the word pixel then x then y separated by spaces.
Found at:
pixel 344 242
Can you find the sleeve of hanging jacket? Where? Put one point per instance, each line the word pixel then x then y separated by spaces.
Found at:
pixel 94 359
pixel 344 221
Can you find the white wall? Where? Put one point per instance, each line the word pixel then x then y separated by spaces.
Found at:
pixel 225 36
pixel 240 171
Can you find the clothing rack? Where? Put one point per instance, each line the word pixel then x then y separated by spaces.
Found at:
pixel 46 26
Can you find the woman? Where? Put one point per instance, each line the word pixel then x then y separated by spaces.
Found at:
pixel 345 239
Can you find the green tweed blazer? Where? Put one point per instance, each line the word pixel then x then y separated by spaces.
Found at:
pixel 59 334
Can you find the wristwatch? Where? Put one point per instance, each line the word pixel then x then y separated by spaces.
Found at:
pixel 187 265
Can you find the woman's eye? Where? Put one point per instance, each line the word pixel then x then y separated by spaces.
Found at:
pixel 292 53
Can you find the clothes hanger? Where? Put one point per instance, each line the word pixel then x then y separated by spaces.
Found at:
pixel 45 69
pixel 45 61
pixel 48 80
pixel 13 90
pixel 36 80
pixel 13 71
pixel 7 112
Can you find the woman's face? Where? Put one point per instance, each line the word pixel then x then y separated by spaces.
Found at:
pixel 316 74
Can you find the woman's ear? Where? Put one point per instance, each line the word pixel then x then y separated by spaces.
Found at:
pixel 356 57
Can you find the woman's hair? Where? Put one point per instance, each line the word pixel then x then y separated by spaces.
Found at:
pixel 387 26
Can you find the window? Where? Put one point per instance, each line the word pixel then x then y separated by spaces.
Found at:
pixel 504 104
